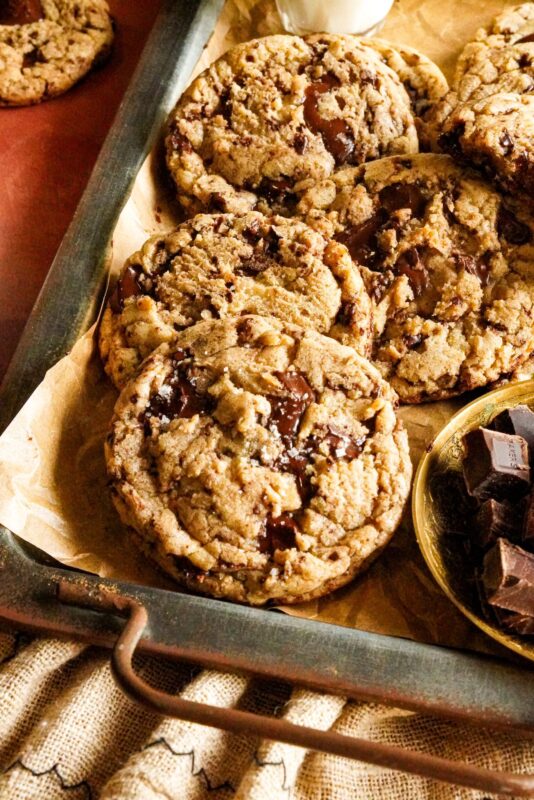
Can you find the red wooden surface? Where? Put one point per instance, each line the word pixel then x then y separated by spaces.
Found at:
pixel 46 156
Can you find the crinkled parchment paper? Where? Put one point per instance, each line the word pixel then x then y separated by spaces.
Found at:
pixel 52 476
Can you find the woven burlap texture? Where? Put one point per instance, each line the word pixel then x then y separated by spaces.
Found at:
pixel 67 731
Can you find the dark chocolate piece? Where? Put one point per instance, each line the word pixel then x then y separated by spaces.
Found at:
pixel 337 134
pixel 255 265
pixel 296 460
pixel 495 465
pixel 518 421
pixel 515 623
pixel 341 445
pixel 178 396
pixel 411 265
pixel 361 240
pixel 127 286
pixel 276 190
pixel 297 457
pixel 527 530
pixel 496 520
pixel 402 195
pixel 528 38
pixel 477 267
pixel 286 412
pixel 513 230
pixel 508 578
pixel 279 534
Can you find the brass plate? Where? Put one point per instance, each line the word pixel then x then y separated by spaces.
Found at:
pixel 438 500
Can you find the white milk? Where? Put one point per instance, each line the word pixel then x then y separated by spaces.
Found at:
pixel 332 16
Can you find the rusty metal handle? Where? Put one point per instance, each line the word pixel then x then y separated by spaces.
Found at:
pixel 235 721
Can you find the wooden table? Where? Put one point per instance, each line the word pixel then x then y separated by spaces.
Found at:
pixel 47 153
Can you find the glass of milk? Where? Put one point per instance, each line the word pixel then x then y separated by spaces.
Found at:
pixel 333 16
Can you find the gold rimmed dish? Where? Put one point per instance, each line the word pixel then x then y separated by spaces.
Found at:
pixel 440 506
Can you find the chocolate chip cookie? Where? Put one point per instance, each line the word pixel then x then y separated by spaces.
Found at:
pixel 423 80
pixel 496 134
pixel 221 265
pixel 486 119
pixel 502 47
pixel 258 461
pixel 275 115
pixel 47 47
pixel 449 263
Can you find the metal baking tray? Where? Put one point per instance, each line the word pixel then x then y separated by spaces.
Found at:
pixel 39 595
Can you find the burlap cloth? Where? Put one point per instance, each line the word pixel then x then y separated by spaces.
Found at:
pixel 66 730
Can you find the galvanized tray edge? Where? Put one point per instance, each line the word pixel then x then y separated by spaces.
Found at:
pixel 66 304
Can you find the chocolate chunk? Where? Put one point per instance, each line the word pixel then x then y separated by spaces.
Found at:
pixel 449 203
pixel 413 341
pixel 255 265
pixel 515 623
pixel 496 520
pixel 450 140
pixel 518 421
pixel 217 202
pixel 506 142
pixel 528 38
pixel 297 457
pixel 279 533
pixel 128 285
pixel 495 465
pixel 252 233
pixel 177 398
pixel 271 242
pixel 186 567
pixel 32 58
pixel 224 107
pixel 296 460
pixel 162 259
pixel 337 134
pixel 180 142
pixel 511 228
pixel 368 78
pixel 286 412
pixel 264 249
pixel 378 286
pixel 277 190
pixel 508 578
pixel 341 445
pixel 300 143
pixel 20 12
pixel 527 529
pixel 402 195
pixel 475 266
pixel 345 314
pixel 411 265
pixel 525 173
pixel 361 240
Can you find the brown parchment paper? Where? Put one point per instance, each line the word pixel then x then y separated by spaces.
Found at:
pixel 53 489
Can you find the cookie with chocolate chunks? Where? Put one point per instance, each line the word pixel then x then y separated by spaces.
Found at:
pixel 221 265
pixel 503 47
pixel 46 47
pixel 496 135
pixel 487 118
pixel 449 263
pixel 423 80
pixel 258 461
pixel 274 115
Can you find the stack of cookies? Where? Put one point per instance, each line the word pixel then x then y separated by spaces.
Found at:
pixel 326 269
